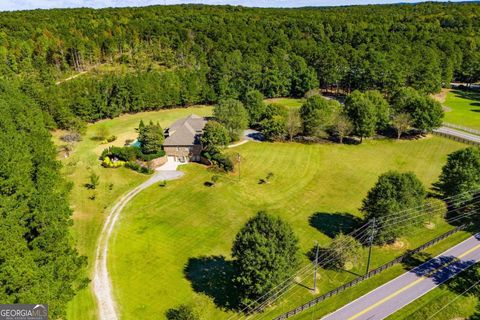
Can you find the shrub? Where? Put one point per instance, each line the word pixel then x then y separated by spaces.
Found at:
pixel 136 167
pixel 182 312
pixel 436 207
pixel 107 163
pixel 71 137
pixel 151 156
pixel 121 153
pixel 219 160
pixel 222 161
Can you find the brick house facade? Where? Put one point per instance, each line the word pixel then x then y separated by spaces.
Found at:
pixel 182 138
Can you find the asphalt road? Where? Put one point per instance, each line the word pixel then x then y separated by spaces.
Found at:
pixel 459 134
pixel 394 295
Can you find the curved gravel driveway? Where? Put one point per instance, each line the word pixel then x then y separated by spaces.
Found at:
pixel 102 286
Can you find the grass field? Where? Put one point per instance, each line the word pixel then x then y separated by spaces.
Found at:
pixel 287 102
pixel 465 108
pixel 172 244
pixel 89 215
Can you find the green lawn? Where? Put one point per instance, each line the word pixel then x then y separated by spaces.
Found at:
pixel 185 230
pixel 89 215
pixel 287 102
pixel 465 108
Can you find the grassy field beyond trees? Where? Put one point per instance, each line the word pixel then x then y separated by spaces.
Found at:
pixel 465 108
pixel 179 237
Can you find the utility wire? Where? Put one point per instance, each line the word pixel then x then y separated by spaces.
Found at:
pixel 458 296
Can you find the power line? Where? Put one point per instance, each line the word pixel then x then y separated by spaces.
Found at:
pixel 268 301
pixel 458 296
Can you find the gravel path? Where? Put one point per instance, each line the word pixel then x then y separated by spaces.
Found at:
pixel 102 286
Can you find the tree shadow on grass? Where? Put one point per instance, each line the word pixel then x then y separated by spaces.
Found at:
pixel 213 276
pixel 331 224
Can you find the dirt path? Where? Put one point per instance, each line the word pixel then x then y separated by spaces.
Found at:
pixel 71 77
pixel 441 97
pixel 102 286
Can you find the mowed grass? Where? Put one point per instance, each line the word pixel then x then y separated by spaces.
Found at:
pixel 465 108
pixel 188 228
pixel 287 102
pixel 89 215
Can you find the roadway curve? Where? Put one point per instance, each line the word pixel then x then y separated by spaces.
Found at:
pixel 394 295
pixel 102 286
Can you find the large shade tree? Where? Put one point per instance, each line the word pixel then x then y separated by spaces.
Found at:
pixel 215 136
pixel 460 177
pixel 318 115
pixel 232 114
pixel 253 101
pixel 266 254
pixel 394 201
pixel 362 113
pixel 425 112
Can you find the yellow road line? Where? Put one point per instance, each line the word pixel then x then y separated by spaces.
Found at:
pixel 393 295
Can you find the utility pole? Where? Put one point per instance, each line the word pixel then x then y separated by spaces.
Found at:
pixel 370 240
pixel 315 268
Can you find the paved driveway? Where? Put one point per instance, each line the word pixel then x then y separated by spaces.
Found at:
pixel 459 134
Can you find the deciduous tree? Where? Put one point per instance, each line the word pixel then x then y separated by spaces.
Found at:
pixel 460 177
pixel 391 201
pixel 266 253
pixel 214 137
pixel 232 114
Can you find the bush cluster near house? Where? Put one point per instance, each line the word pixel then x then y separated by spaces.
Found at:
pixel 150 137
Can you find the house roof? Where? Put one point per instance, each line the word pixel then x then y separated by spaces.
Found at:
pixel 185 131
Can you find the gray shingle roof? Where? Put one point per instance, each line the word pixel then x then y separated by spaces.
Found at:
pixel 185 131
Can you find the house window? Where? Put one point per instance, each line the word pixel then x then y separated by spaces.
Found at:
pixel 178 149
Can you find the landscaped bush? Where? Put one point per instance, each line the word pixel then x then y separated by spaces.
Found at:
pixel 121 153
pixel 136 167
pixel 151 156
pixel 130 153
pixel 220 160
pixel 109 139
pixel 107 163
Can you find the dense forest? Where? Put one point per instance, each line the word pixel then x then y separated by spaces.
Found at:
pixel 38 262
pixel 137 59
pixel 164 56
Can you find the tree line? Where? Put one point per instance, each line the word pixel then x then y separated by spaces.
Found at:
pixel 364 114
pixel 180 55
pixel 38 260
